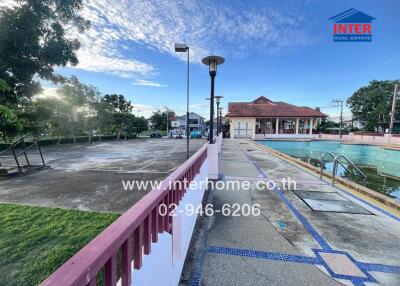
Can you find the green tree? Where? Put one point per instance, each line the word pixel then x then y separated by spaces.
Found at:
pixel 79 98
pixel 117 103
pixel 159 119
pixel 325 124
pixel 9 124
pixel 35 116
pixel 372 104
pixel 33 41
pixel 59 124
pixel 103 119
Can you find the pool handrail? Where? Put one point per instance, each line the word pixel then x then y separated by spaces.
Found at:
pixel 337 160
pixel 323 161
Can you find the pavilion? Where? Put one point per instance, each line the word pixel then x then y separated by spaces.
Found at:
pixel 263 118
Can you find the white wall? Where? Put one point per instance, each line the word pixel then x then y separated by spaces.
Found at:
pixel 242 123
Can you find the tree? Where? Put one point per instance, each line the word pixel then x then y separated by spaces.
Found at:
pixel 59 124
pixel 372 104
pixel 117 103
pixel 32 41
pixel 325 124
pixel 35 116
pixel 159 119
pixel 80 98
pixel 9 125
pixel 103 119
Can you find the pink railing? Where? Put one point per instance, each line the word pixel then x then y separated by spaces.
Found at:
pixel 135 230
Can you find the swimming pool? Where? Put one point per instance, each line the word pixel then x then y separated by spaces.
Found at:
pixel 381 165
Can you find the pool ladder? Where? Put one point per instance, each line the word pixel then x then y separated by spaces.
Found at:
pixel 336 162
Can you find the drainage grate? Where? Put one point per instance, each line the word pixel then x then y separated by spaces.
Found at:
pixel 330 202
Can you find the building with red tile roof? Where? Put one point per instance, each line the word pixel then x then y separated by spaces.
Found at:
pixel 263 118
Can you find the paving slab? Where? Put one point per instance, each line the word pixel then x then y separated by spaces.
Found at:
pixel 219 269
pixel 335 206
pixel 292 244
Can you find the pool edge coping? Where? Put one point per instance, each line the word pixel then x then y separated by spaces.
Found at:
pixel 354 187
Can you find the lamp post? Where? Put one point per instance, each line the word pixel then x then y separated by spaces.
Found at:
pixel 217 100
pixel 182 48
pixel 212 62
pixel 220 119
pixel 208 136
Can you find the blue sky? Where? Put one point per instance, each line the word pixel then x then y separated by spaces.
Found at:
pixel 279 49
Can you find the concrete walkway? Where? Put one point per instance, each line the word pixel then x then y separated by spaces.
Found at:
pixel 289 243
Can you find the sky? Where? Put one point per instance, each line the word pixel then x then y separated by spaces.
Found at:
pixel 282 50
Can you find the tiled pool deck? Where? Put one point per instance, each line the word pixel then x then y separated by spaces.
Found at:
pixel 289 243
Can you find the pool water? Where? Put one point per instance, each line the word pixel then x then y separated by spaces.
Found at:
pixel 380 165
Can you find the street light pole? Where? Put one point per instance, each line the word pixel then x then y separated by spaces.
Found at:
pixel 220 119
pixel 212 109
pixel 218 99
pixel 212 62
pixel 185 48
pixel 187 106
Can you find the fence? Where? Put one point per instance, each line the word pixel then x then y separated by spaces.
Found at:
pixel 141 231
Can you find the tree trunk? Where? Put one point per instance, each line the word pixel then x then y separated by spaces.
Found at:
pixel 120 131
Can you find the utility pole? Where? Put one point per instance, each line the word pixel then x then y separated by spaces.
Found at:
pixel 393 113
pixel 340 103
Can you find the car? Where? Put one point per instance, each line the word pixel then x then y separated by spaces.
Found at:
pixel 155 135
pixel 195 134
pixel 175 134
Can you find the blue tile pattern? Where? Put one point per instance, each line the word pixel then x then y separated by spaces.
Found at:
pixel 326 248
pixel 317 260
pixel 378 267
pixel 264 255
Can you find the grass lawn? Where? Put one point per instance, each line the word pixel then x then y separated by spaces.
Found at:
pixel 35 241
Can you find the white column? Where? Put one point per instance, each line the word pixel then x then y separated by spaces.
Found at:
pixel 277 126
pixel 311 125
pixel 253 134
pixel 232 129
pixel 297 125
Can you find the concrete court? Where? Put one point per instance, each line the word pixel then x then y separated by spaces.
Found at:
pixel 290 244
pixel 88 176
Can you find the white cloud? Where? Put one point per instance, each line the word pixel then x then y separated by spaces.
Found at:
pixel 200 106
pixel 120 27
pixel 7 3
pixel 48 92
pixel 144 110
pixel 148 83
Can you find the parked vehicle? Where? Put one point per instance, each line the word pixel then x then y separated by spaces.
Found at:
pixel 176 134
pixel 195 134
pixel 155 135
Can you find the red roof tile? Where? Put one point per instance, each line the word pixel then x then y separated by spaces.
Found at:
pixel 263 107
